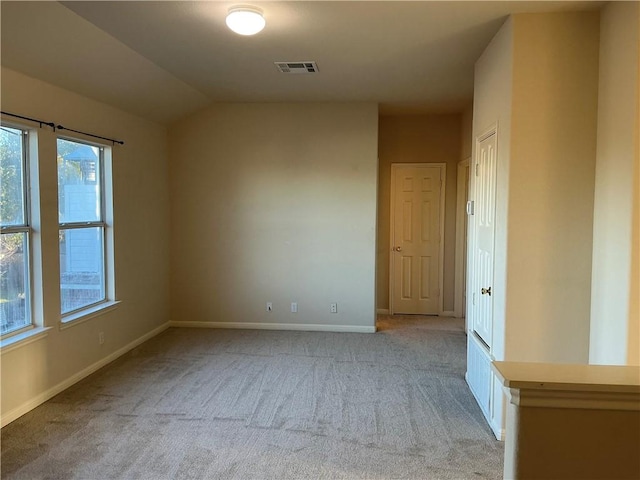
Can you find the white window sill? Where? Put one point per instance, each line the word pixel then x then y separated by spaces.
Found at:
pixel 22 339
pixel 87 314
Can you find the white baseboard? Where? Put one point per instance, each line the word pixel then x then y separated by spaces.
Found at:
pixel 53 391
pixel 447 313
pixel 277 326
pixel 497 431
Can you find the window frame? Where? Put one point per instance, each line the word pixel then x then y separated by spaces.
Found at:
pixel 26 227
pixel 88 309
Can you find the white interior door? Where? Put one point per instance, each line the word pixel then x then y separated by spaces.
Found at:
pixel 484 232
pixel 416 238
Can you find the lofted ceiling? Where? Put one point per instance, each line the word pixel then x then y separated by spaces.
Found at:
pixel 165 59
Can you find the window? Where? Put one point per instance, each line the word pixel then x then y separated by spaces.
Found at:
pixel 15 237
pixel 81 207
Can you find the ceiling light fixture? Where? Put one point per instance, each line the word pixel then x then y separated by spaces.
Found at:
pixel 245 20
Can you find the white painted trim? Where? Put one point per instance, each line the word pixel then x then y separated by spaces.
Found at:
pixel 443 177
pixel 87 314
pixel 446 313
pixel 461 238
pixel 497 431
pixel 443 212
pixel 311 327
pixel 489 131
pixel 23 338
pixel 382 311
pixel 573 399
pixel 53 391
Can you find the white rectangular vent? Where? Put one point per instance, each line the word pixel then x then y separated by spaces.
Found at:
pixel 297 67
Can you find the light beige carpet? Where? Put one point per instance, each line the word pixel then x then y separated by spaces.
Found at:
pixel 232 404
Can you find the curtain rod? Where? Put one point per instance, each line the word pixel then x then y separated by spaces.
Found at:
pixel 60 127
pixel 41 122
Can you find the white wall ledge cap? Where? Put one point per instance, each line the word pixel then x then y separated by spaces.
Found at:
pixel 82 316
pixel 549 385
pixel 24 338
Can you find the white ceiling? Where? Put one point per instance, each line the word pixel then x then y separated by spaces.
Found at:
pixel 165 59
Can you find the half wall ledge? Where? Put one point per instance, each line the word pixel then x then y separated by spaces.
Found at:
pixel 571 421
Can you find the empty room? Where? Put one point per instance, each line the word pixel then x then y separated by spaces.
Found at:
pixel 307 239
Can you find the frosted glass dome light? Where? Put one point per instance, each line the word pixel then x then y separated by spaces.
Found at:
pixel 245 20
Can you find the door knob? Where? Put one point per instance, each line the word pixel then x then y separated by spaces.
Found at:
pixel 486 291
pixel 397 249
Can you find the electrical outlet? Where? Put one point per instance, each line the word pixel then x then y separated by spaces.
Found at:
pixel 334 308
pixel 294 307
pixel 101 338
pixel 269 307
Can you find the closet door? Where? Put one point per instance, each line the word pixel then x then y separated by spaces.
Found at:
pixel 484 232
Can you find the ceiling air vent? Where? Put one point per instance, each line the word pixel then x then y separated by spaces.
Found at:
pixel 297 67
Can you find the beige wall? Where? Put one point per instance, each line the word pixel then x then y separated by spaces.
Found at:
pixel 614 304
pixel 275 202
pixel 492 106
pixel 538 82
pixel 633 338
pixel 571 443
pixel 466 135
pixel 417 139
pixel 141 210
pixel 551 182
pixel 462 219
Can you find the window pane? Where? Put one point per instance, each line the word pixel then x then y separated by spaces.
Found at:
pixel 81 267
pixel 12 205
pixel 78 182
pixel 14 281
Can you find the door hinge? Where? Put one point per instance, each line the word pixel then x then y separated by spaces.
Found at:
pixel 477 169
pixel 470 207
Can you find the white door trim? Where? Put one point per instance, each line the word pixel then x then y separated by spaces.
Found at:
pixel 443 176
pixel 491 130
pixel 461 243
